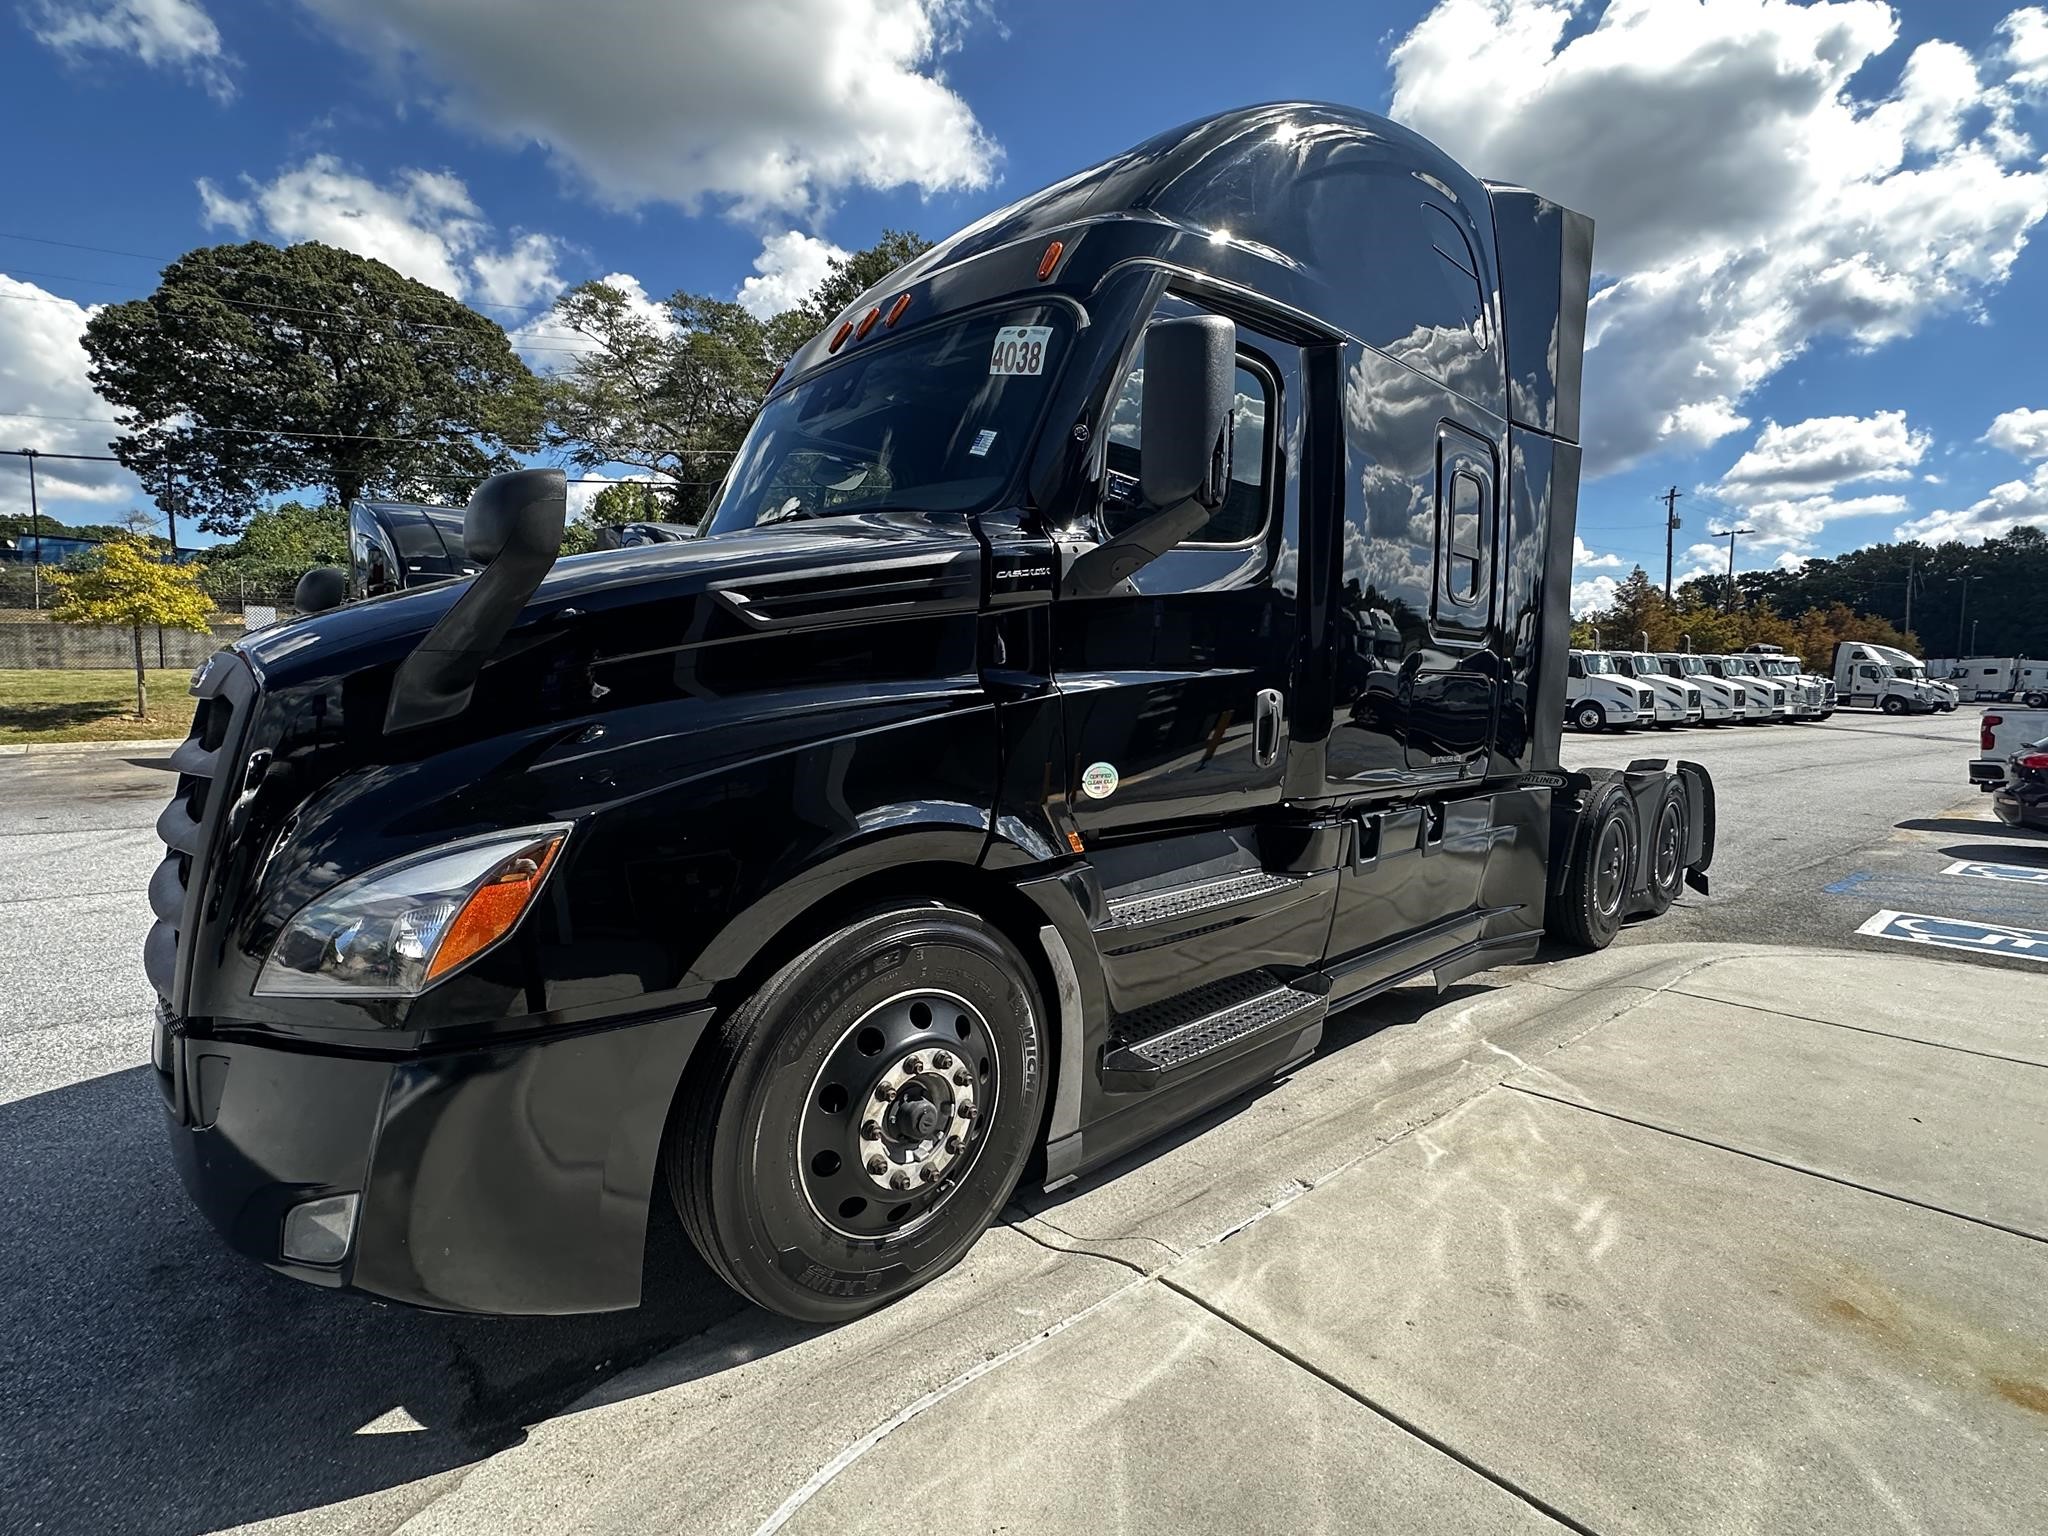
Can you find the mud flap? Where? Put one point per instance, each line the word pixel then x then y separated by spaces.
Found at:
pixel 1699 848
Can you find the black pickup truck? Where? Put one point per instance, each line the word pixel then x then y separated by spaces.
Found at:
pixel 1134 630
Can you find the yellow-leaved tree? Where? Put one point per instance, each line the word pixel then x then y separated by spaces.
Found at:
pixel 126 584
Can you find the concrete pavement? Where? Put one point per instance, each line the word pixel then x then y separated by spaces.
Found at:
pixel 1736 1239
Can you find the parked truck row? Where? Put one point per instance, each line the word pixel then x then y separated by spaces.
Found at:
pixel 1761 685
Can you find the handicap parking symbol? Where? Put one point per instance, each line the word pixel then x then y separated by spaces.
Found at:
pixel 2021 874
pixel 1957 933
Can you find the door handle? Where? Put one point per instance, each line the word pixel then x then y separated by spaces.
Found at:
pixel 1266 737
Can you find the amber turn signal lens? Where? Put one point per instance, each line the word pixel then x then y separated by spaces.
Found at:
pixel 896 310
pixel 1049 260
pixel 839 340
pixel 494 907
pixel 867 322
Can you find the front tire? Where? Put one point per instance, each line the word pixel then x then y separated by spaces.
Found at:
pixel 1893 705
pixel 1588 911
pixel 1587 715
pixel 865 1114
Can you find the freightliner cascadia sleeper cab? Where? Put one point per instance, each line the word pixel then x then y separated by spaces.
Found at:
pixel 1134 630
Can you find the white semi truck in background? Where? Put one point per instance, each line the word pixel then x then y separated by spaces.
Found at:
pixel 1813 696
pixel 1872 676
pixel 1676 700
pixel 1722 700
pixel 1994 679
pixel 1768 699
pixel 1599 695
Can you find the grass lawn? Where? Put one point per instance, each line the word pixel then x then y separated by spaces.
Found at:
pixel 50 704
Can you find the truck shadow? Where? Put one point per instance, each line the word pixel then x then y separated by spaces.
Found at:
pixel 1959 824
pixel 159 1383
pixel 2001 853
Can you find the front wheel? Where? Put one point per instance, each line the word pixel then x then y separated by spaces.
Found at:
pixel 1893 706
pixel 864 1115
pixel 1587 715
pixel 2036 701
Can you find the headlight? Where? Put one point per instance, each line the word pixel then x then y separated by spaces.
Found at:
pixel 403 926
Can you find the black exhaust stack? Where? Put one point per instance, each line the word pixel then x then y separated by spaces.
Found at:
pixel 513 529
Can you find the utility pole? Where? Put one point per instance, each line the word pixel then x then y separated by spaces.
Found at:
pixel 1731 535
pixel 1911 561
pixel 35 527
pixel 1670 500
pixel 1963 609
pixel 171 511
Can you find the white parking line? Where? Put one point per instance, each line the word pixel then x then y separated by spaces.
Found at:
pixel 2025 874
pixel 1958 933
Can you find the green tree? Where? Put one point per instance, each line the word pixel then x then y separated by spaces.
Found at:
pixel 279 545
pixel 674 391
pixel 854 274
pixel 255 370
pixel 124 583
pixel 630 501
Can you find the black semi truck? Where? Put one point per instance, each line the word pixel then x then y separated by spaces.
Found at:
pixel 1132 631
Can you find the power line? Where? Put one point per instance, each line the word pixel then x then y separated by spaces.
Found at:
pixel 658 485
pixel 360 437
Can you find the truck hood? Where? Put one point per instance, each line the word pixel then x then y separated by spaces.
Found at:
pixel 632 601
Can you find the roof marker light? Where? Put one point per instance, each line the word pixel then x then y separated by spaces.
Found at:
pixel 839 338
pixel 896 310
pixel 867 322
pixel 1050 259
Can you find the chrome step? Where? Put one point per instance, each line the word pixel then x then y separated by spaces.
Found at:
pixel 1232 1013
pixel 1192 900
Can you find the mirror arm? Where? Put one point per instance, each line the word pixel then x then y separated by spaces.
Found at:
pixel 1103 568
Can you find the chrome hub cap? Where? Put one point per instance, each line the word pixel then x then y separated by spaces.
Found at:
pixel 896 1113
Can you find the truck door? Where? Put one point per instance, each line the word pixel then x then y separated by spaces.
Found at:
pixel 1176 692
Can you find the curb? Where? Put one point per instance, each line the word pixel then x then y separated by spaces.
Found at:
pixel 40 748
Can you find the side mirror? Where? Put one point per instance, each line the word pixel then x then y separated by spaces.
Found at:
pixel 320 589
pixel 1184 420
pixel 513 528
pixel 1184 424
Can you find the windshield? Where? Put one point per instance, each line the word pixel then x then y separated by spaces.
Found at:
pixel 1684 666
pixel 1643 664
pixel 1918 674
pixel 934 423
pixel 1597 663
pixel 1737 666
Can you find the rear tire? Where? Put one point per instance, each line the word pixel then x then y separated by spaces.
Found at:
pixel 1669 833
pixel 909 1041
pixel 1588 911
pixel 2036 701
pixel 1588 715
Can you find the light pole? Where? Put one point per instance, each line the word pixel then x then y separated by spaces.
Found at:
pixel 1731 535
pixel 1960 611
pixel 1973 637
pixel 35 525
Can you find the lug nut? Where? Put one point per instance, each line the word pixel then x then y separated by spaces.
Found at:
pixel 954 1143
pixel 964 1111
pixel 927 1173
pixel 885 1092
pixel 878 1164
pixel 899 1180
pixel 962 1078
pixel 913 1064
pixel 941 1060
pixel 871 1130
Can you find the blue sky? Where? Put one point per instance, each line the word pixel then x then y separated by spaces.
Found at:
pixel 1820 311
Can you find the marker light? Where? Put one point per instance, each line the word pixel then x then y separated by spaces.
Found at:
pixel 1049 260
pixel 867 322
pixel 839 337
pixel 896 310
pixel 406 925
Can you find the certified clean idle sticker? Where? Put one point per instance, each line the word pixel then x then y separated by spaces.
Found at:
pixel 1098 781
pixel 1020 349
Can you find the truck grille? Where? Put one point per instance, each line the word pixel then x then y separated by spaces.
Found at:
pixel 207 763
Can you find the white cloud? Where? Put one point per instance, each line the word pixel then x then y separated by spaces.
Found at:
pixel 1823 452
pixel 1583 559
pixel 789 267
pixel 1785 485
pixel 1588 595
pixel 2022 432
pixel 43 373
pixel 763 107
pixel 162 34
pixel 1747 200
pixel 422 223
pixel 2004 508
pixel 2026 48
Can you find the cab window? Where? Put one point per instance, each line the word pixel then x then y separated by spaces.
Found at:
pixel 1241 518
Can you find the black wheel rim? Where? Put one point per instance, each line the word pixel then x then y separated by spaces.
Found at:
pixel 897 1114
pixel 1610 868
pixel 1670 855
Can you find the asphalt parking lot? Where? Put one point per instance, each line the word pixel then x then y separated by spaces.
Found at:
pixel 159 1384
